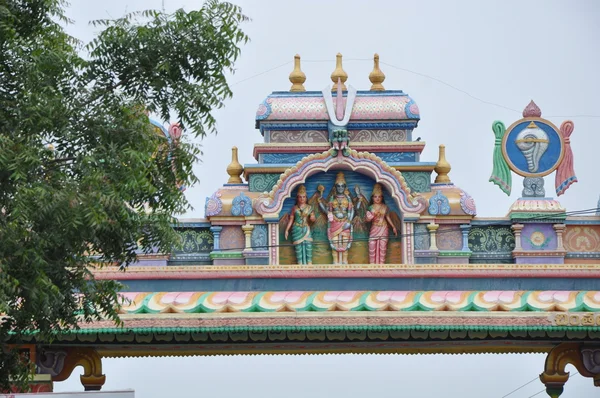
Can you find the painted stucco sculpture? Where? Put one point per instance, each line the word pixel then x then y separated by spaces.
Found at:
pixel 340 213
pixel 301 216
pixel 341 239
pixel 533 147
pixel 378 215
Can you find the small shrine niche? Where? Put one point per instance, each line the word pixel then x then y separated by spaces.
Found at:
pixel 364 227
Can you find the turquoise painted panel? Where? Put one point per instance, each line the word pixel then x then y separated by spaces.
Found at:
pixel 262 182
pixel 340 284
pixel 278 158
pixel 396 156
pixel 418 181
pixel 421 237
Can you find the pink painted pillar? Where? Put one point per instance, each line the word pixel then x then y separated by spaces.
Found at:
pixel 274 244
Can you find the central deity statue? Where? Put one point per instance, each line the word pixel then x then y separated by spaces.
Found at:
pixel 340 212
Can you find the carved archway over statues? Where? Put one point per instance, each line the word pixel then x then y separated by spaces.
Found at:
pixel 410 205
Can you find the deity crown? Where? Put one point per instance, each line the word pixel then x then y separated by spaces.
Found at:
pixel 377 190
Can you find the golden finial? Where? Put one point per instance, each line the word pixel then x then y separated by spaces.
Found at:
pixel 234 169
pixel 297 77
pixel 442 168
pixel 339 73
pixel 376 76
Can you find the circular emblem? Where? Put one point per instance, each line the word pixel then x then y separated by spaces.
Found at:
pixel 532 147
pixel 538 238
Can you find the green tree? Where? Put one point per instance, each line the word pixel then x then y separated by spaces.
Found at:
pixel 85 179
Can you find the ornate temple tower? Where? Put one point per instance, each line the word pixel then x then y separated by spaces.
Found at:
pixel 354 139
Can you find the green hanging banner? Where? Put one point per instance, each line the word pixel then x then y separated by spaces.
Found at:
pixel 501 175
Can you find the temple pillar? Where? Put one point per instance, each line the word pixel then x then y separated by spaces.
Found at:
pixel 408 250
pixel 517 228
pixel 248 228
pixel 585 358
pixel 560 229
pixel 432 228
pixel 464 229
pixel 274 243
pixel 433 253
pixel 216 230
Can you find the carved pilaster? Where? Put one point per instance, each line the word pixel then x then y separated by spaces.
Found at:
pixel 560 229
pixel 464 229
pixel 248 228
pixel 432 228
pixel 517 228
pixel 583 357
pixel 408 255
pixel 273 243
pixel 216 237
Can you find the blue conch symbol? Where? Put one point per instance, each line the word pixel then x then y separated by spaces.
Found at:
pixel 533 143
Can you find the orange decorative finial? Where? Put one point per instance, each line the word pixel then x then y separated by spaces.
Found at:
pixel 297 77
pixel 442 167
pixel 234 169
pixel 339 73
pixel 376 76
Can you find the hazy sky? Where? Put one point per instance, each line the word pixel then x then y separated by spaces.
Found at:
pixel 503 52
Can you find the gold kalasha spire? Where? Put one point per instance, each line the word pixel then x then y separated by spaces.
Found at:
pixel 339 73
pixel 442 168
pixel 234 169
pixel 297 77
pixel 376 76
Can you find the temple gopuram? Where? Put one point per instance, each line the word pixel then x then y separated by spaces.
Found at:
pixel 341 239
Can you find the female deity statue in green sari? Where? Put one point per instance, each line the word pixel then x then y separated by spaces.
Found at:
pixel 300 215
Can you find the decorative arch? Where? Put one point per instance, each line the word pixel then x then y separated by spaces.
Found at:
pixel 361 162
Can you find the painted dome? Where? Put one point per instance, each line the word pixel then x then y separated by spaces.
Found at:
pixel 537 207
pixel 231 201
pixel 449 200
pixel 310 106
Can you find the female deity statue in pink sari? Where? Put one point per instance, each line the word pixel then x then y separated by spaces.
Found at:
pixel 378 214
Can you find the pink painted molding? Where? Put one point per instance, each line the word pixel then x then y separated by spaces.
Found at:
pixel 353 271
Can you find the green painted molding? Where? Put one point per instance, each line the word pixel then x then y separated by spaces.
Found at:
pixel 454 253
pixel 538 216
pixel 226 255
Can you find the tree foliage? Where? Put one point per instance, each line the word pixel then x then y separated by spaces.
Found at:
pixel 85 179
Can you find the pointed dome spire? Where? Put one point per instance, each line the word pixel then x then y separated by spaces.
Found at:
pixel 297 77
pixel 532 110
pixel 234 169
pixel 442 168
pixel 339 73
pixel 376 76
